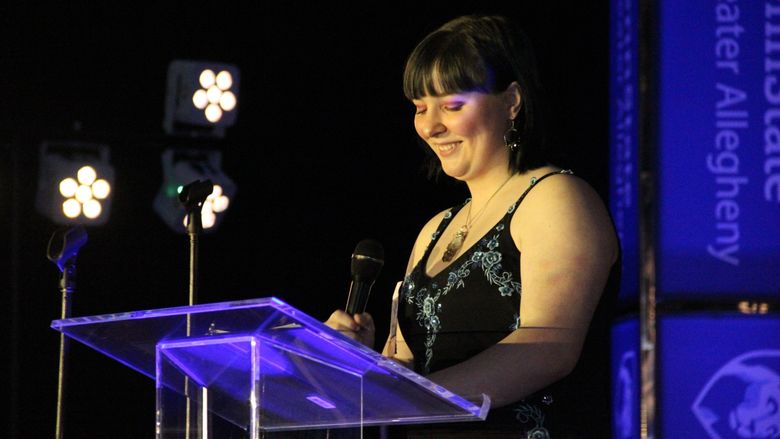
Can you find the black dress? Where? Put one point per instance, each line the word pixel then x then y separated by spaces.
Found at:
pixel 473 304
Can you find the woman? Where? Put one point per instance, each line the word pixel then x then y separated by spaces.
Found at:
pixel 474 316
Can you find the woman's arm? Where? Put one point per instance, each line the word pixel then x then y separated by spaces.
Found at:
pixel 568 246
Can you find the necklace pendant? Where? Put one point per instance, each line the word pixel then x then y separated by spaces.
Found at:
pixel 455 244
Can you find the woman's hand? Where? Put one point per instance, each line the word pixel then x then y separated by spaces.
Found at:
pixel 359 327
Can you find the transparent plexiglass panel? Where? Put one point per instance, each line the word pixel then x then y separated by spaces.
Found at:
pixel 263 365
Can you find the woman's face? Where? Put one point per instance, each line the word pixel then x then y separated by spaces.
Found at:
pixel 465 131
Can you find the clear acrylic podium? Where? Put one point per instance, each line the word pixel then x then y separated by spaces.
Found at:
pixel 263 366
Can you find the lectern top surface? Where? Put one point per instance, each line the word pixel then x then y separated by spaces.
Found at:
pixel 231 348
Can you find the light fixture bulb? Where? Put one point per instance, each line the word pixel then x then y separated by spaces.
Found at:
pixel 101 189
pixel 213 113
pixel 86 175
pixel 227 101
pixel 224 80
pixel 92 209
pixel 213 94
pixel 83 193
pixel 220 204
pixel 208 220
pixel 71 208
pixel 200 99
pixel 207 78
pixel 68 187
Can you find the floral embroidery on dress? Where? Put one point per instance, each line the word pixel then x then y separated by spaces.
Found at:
pixel 527 413
pixel 428 310
pixel 487 258
pixel 407 290
pixel 538 433
pixel 490 262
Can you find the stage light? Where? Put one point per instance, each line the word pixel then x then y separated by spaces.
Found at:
pixel 182 167
pixel 201 98
pixel 74 183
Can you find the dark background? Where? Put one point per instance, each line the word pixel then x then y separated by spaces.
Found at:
pixel 323 154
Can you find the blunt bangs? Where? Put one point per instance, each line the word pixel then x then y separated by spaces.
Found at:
pixel 444 65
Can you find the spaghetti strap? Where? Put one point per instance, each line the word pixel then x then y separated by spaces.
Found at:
pixel 535 181
pixel 440 229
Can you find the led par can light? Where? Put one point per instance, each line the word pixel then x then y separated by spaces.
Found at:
pixel 75 183
pixel 201 98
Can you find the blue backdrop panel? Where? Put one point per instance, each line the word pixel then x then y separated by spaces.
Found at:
pixel 625 378
pixel 719 375
pixel 624 137
pixel 719 148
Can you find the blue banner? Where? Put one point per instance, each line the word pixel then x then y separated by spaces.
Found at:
pixel 624 137
pixel 625 381
pixel 719 376
pixel 718 148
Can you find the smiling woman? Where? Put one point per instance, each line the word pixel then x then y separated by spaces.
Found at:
pixel 473 315
pixel 461 129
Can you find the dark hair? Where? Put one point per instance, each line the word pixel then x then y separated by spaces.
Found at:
pixel 483 53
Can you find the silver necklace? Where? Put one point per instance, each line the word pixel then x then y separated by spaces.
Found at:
pixel 457 241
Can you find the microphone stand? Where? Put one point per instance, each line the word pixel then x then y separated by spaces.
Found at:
pixel 62 250
pixel 194 228
pixel 67 288
pixel 192 198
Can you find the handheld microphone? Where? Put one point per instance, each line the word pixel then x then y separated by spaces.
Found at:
pixel 367 261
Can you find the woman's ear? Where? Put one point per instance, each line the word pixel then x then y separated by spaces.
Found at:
pixel 514 99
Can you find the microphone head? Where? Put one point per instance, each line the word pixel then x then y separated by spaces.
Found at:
pixel 367 260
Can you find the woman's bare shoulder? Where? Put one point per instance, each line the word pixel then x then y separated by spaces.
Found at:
pixel 563 203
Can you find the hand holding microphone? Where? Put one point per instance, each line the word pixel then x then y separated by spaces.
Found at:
pixel 367 261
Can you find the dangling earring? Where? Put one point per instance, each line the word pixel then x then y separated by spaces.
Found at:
pixel 512 137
